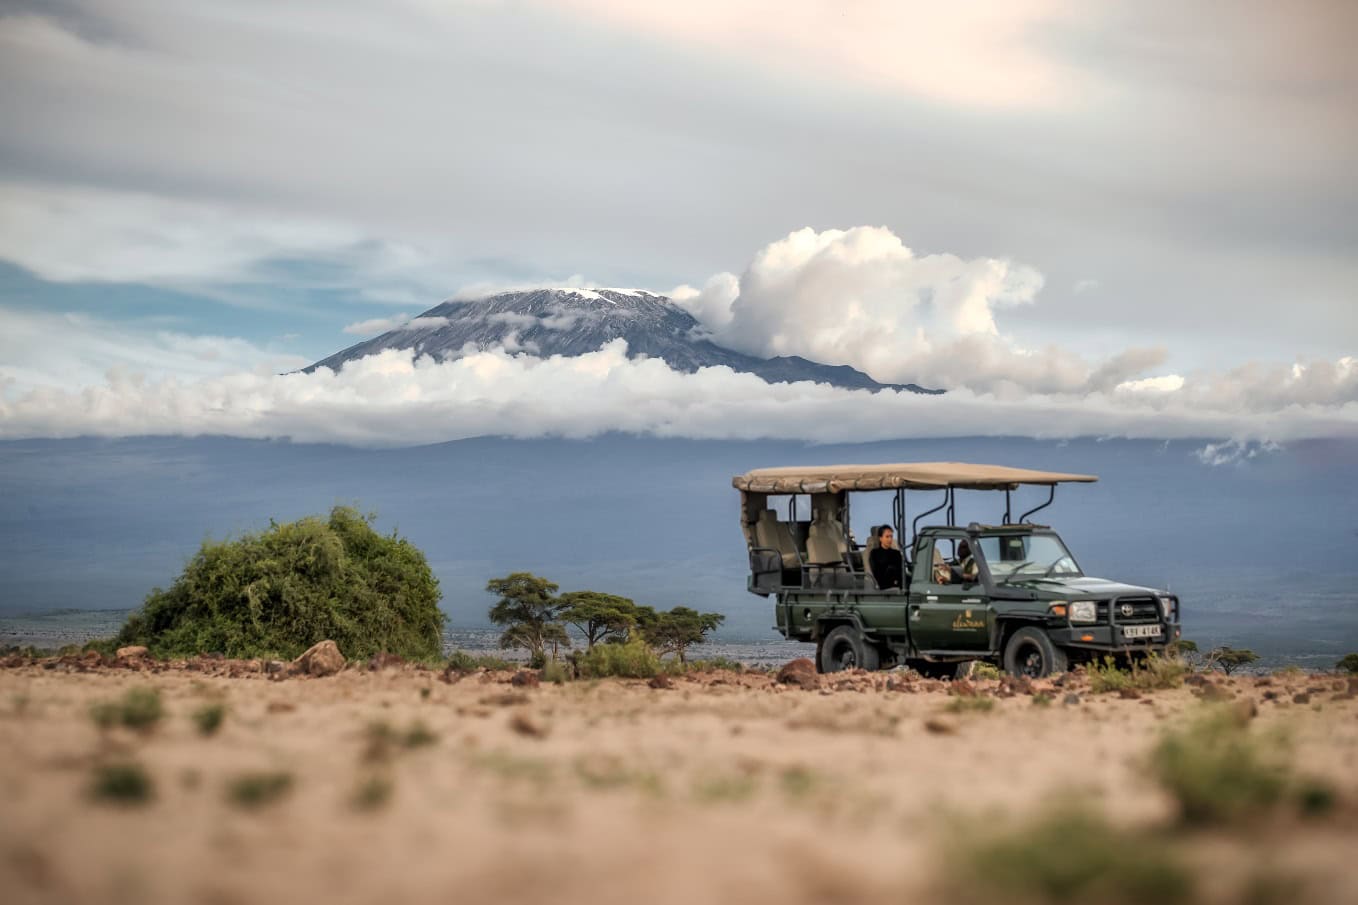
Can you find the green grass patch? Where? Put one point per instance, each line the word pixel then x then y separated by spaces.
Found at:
pixel 633 660
pixel 724 787
pixel 969 704
pixel 462 661
pixel 556 672
pixel 125 783
pixel 1153 673
pixel 258 788
pixel 1066 856
pixel 1220 772
pixel 208 718
pixel 138 709
pixel 714 664
pixel 372 793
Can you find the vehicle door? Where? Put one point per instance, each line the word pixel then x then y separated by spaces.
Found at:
pixel 946 616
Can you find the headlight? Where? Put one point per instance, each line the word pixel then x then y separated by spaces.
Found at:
pixel 1166 606
pixel 1083 611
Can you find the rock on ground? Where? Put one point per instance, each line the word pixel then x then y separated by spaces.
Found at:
pixel 321 659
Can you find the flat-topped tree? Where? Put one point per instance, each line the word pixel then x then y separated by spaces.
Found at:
pixel 530 613
pixel 598 616
pixel 1230 659
pixel 674 631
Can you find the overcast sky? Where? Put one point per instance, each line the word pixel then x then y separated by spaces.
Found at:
pixel 1039 204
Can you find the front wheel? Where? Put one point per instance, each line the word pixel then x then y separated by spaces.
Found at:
pixel 846 648
pixel 1031 653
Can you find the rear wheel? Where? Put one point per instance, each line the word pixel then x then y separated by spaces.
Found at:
pixel 1031 653
pixel 846 648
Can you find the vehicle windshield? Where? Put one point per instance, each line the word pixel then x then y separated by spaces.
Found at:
pixel 1018 557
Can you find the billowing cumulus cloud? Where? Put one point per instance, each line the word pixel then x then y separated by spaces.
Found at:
pixel 861 297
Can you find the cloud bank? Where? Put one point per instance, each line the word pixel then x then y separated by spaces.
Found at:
pixel 397 398
pixel 857 296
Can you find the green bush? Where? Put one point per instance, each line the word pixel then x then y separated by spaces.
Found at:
pixel 277 592
pixel 633 660
pixel 1067 855
pixel 1349 664
pixel 1218 771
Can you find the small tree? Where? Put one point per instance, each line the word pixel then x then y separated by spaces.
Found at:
pixel 1230 659
pixel 675 630
pixel 598 616
pixel 529 612
pixel 1349 663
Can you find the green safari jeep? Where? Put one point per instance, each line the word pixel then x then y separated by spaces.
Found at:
pixel 1011 594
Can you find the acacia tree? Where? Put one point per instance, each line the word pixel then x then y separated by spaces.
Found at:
pixel 1229 659
pixel 598 616
pixel 673 631
pixel 529 611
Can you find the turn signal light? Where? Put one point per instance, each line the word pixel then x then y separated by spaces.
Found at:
pixel 1086 637
pixel 1059 609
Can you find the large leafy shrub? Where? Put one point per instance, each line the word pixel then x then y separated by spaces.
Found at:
pixel 277 592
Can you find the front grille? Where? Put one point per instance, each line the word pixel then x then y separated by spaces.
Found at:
pixel 1144 610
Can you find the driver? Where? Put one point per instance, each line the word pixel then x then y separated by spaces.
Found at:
pixel 967 569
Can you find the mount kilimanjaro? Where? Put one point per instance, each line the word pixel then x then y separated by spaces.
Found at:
pixel 571 322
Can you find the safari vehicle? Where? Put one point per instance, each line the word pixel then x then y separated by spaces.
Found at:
pixel 1024 605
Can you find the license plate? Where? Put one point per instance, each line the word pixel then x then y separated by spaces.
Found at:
pixel 1141 631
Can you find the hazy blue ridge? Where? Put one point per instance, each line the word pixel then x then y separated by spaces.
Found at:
pixel 1261 552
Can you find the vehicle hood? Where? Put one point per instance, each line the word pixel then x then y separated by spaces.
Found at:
pixel 1078 588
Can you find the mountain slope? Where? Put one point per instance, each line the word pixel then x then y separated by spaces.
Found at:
pixel 571 322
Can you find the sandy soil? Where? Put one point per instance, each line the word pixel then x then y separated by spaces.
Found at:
pixel 722 789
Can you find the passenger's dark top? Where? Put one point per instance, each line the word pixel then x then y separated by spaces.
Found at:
pixel 886 567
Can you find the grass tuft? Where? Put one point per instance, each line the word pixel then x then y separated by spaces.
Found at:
pixel 1068 855
pixel 969 704
pixel 208 718
pixel 259 788
pixel 1154 673
pixel 372 793
pixel 1218 771
pixel 138 709
pixel 633 660
pixel 125 783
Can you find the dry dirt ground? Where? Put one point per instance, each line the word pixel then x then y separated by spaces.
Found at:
pixel 723 788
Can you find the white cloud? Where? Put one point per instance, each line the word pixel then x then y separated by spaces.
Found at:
pixel 968 52
pixel 1234 452
pixel 861 297
pixel 376 325
pixel 221 386
pixel 43 351
pixel 1168 383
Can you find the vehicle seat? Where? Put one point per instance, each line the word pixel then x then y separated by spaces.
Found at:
pixel 825 544
pixel 942 572
pixel 776 535
pixel 869 582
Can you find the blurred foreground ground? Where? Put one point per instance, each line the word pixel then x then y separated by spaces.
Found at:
pixel 405 785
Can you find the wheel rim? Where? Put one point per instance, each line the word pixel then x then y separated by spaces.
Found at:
pixel 1031 662
pixel 846 658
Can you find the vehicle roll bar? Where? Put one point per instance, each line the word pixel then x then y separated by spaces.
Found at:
pixel 1050 497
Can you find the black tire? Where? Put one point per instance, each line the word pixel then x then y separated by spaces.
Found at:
pixel 1030 652
pixel 846 648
